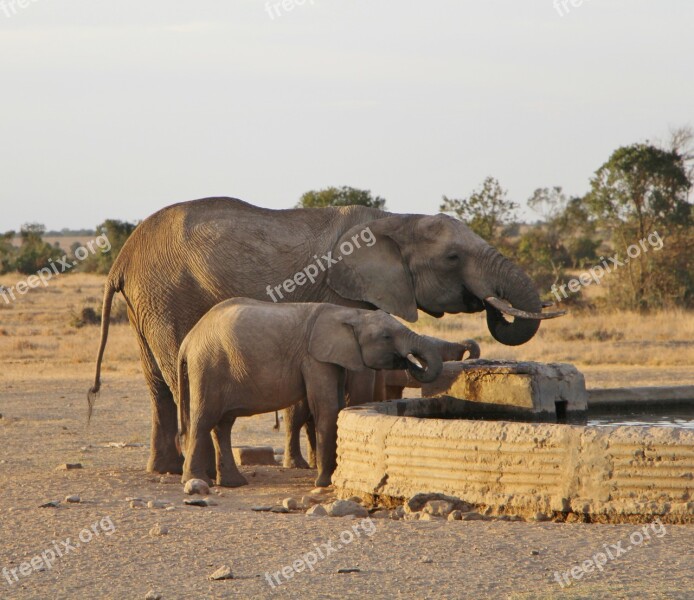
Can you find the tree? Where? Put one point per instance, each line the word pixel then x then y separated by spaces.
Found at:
pixel 34 253
pixel 485 211
pixel 340 196
pixel 7 251
pixel 117 233
pixel 640 191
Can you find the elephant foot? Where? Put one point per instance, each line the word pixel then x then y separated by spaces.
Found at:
pixel 323 480
pixel 295 462
pixel 163 464
pixel 232 480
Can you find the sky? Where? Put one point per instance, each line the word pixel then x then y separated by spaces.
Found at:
pixel 117 109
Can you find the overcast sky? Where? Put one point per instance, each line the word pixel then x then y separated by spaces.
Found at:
pixel 116 109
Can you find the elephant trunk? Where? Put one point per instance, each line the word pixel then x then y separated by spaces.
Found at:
pixel 423 359
pixel 510 291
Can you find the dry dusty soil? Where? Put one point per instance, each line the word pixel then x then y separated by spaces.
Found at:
pixel 106 545
pixel 43 426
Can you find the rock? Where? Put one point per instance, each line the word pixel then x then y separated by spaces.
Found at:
pixel 418 501
pixel 199 502
pixel 438 508
pixel 426 560
pixel 75 499
pixel 196 486
pixel 356 499
pixel 342 508
pixel 152 595
pixel 381 514
pixel 540 516
pixel 261 508
pixel 254 455
pixel 224 572
pixel 424 516
pixel 412 516
pixel 317 511
pixel 158 504
pixel 309 500
pixel 68 466
pixel 322 491
pixel 279 451
pixel 137 503
pixel 397 513
pixel 131 498
pixel 354 570
pixel 455 515
pixel 51 504
pixel 534 552
pixel 279 509
pixel 474 516
pixel 170 508
pixel 159 530
pixel 290 503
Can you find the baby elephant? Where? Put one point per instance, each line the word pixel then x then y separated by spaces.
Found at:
pixel 246 357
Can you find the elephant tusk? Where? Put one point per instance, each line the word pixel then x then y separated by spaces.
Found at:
pixel 413 359
pixel 506 308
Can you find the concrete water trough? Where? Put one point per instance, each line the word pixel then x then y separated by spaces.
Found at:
pixel 494 437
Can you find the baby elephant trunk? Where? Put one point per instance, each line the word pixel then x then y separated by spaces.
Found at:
pixel 423 360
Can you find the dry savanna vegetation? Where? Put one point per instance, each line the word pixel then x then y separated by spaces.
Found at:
pixel 43 334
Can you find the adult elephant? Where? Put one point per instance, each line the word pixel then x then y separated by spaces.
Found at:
pixel 186 258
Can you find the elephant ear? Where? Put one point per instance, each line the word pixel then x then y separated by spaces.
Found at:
pixel 377 273
pixel 334 340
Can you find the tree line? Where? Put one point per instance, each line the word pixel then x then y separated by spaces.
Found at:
pixel 641 190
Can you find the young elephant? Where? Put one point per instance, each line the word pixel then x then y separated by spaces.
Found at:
pixel 395 381
pixel 246 357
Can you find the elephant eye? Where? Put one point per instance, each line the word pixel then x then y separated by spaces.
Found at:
pixel 452 257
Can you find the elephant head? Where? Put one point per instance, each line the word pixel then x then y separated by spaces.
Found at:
pixel 437 264
pixel 355 339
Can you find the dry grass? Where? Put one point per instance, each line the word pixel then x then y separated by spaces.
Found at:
pixel 38 339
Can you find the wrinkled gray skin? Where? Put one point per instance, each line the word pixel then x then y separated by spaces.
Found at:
pixel 299 415
pixel 246 357
pixel 184 259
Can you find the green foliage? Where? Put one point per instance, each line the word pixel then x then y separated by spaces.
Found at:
pixel 117 233
pixel 641 190
pixel 34 253
pixel 340 196
pixel 7 252
pixel 486 211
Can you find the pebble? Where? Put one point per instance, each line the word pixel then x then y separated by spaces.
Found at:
pixel 473 516
pixel 224 572
pixel 349 570
pixel 159 530
pixel 438 508
pixel 540 516
pixel 158 504
pixel 68 466
pixel 170 508
pixel 317 510
pixel 426 560
pixel 261 508
pixel 196 486
pixel 455 515
pixel 342 508
pixel 199 502
pixel 534 552
pixel 381 514
pixel 309 500
pixel 279 509
pixel 51 504
pixel 137 503
pixel 75 499
pixel 152 595
pixel 290 503
pixel 412 516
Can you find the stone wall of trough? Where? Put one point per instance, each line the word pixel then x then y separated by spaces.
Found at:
pixel 517 468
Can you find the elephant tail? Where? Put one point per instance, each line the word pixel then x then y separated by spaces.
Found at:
pixel 110 289
pixel 183 404
pixel 276 426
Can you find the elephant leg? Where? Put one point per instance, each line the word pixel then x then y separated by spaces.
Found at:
pixel 295 417
pixel 228 474
pixel 360 387
pixel 199 448
pixel 310 429
pixel 164 456
pixel 325 391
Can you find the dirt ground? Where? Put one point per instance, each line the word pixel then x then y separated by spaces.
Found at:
pixel 45 369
